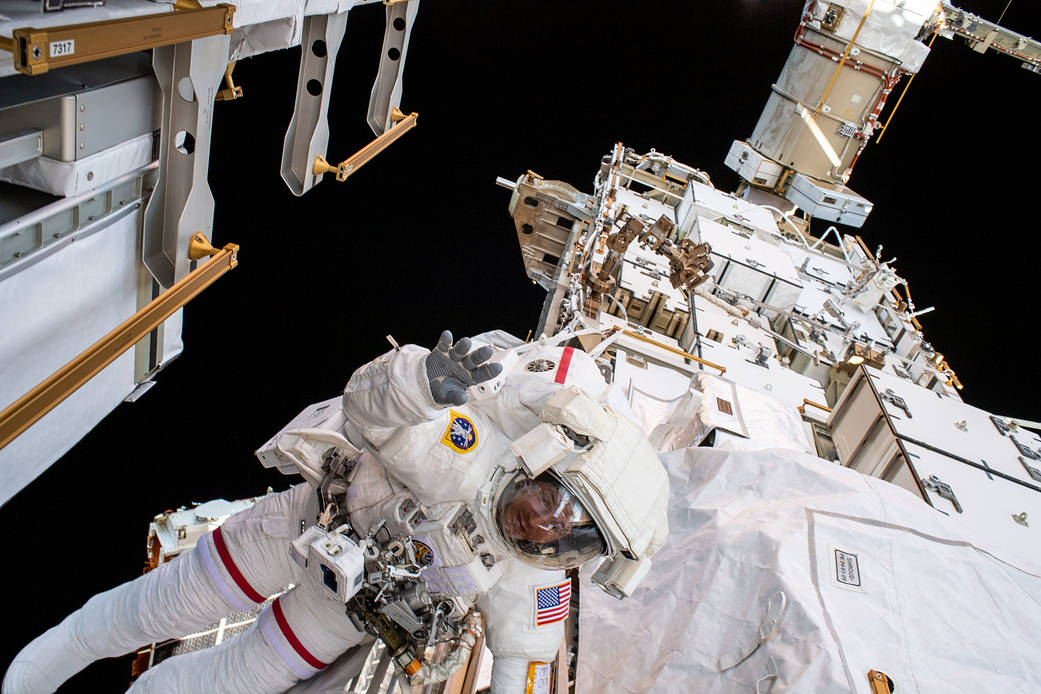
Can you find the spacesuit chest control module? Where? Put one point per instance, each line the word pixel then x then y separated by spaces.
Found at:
pixel 495 467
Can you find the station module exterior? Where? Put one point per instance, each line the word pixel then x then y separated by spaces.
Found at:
pixel 794 341
pixel 720 319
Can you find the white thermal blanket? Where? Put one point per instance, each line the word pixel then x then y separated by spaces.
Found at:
pixel 784 570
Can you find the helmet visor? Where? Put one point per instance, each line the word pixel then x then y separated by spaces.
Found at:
pixel 545 523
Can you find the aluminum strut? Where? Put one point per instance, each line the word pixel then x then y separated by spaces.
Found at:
pixel 308 133
pixel 386 92
pixel 181 205
pixel 29 408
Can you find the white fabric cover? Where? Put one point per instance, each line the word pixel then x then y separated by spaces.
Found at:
pixel 756 420
pixel 747 590
pixel 890 29
pixel 67 178
pixel 79 294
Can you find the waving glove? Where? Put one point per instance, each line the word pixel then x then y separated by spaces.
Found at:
pixel 451 369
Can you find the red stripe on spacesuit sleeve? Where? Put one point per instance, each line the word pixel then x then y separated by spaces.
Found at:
pixel 301 650
pixel 236 575
pixel 565 362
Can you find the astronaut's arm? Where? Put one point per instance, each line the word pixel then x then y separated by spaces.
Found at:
pixel 411 385
pixel 389 392
pixel 519 634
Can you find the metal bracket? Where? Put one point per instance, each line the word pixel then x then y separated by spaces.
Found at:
pixel 308 133
pixel 942 489
pixel 230 91
pixel 1034 472
pixel 1001 425
pixel 1025 449
pixel 189 75
pixel 14 149
pixel 896 401
pixel 386 92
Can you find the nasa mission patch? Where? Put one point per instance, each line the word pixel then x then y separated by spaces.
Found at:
pixel 424 554
pixel 461 434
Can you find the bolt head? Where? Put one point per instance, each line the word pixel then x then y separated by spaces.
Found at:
pixel 37 52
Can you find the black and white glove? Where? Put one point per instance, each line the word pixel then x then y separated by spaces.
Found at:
pixel 452 368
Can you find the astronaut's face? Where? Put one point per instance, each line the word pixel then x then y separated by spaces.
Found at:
pixel 538 512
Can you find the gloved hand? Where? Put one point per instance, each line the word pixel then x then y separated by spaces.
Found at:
pixel 451 369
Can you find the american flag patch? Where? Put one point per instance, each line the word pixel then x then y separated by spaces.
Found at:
pixel 551 603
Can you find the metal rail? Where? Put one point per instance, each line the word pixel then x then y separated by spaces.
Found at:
pixel 357 160
pixel 29 408
pixel 805 402
pixel 38 50
pixel 680 352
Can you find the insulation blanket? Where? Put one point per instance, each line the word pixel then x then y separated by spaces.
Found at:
pixel 783 572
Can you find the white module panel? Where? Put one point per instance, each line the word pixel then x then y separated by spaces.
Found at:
pixel 989 504
pixel 752 166
pixel 740 359
pixel 644 272
pixel 651 390
pixel 702 200
pixel 957 429
pixel 829 201
pixel 749 266
pixel 951 454
pixel 773 379
pixel 829 270
pixel 813 302
pixel 639 206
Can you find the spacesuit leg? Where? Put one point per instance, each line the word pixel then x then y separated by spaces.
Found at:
pixel 295 637
pixel 179 597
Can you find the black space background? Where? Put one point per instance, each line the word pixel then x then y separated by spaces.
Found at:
pixel 420 239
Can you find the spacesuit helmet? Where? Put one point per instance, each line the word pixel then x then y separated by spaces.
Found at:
pixel 545 523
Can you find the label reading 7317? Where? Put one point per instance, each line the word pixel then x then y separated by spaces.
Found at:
pixel 62 48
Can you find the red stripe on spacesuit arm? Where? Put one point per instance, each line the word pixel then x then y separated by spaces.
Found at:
pixel 565 362
pixel 236 575
pixel 287 631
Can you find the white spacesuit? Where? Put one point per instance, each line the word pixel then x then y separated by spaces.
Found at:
pixel 492 495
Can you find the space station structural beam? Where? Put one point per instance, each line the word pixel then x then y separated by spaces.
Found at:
pixel 38 50
pixel 308 133
pixel 984 35
pixel 29 408
pixel 386 92
pixel 189 75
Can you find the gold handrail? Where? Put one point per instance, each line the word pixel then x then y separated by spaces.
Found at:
pixel 38 50
pixel 402 124
pixel 805 402
pixel 842 62
pixel 29 408
pixel 680 352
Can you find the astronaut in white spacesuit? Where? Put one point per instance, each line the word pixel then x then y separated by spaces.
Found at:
pixel 501 477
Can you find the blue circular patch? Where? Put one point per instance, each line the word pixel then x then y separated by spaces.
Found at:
pixel 462 433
